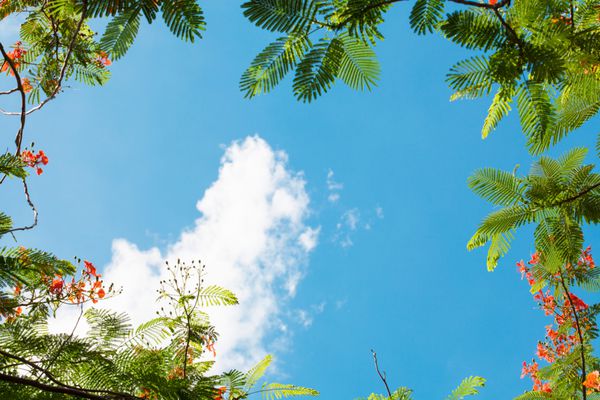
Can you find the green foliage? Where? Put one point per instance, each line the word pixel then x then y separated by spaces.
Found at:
pixel 469 386
pixel 11 165
pixel 559 195
pixel 281 15
pixel 272 64
pixel 120 33
pixel 533 53
pixel 240 385
pixel 425 15
pixel 339 54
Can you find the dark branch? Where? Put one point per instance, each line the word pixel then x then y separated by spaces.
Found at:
pixel 381 375
pixel 81 392
pixel 579 333
pixel 23 112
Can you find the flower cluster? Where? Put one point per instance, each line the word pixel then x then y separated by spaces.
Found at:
pixel 566 309
pixel 210 345
pixel 35 160
pixel 88 287
pixel 221 393
pixel 26 85
pixel 146 393
pixel 15 56
pixel 102 59
pixel 532 370
pixel 592 381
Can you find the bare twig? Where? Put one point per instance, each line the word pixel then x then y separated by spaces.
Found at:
pixel 381 375
pixel 10 91
pixel 31 205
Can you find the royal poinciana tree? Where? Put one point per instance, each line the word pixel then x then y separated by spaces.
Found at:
pixel 169 357
pixel 542 56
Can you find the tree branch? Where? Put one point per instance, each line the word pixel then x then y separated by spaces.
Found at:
pixel 579 333
pixel 381 375
pixel 61 387
pixel 63 69
pixel 23 112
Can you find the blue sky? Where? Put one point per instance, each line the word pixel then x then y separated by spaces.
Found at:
pixel 390 270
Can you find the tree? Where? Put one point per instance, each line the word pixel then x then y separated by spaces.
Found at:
pixel 160 359
pixel 543 56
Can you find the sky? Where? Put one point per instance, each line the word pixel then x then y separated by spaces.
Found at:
pixel 340 224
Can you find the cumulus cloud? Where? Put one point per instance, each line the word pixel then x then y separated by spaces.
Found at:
pixel 253 237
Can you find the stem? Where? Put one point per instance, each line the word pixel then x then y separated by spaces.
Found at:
pixel 381 375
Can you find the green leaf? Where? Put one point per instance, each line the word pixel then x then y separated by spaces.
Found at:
pixel 425 15
pixel 281 15
pixel 318 69
pixel 469 386
pixel 272 391
pixel 120 33
pixel 536 112
pixel 272 64
pixel 499 109
pixel 470 78
pixel 257 372
pixel 184 18
pixel 12 165
pixel 359 68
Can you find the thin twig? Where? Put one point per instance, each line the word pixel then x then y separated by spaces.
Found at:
pixel 10 91
pixel 31 205
pixel 381 375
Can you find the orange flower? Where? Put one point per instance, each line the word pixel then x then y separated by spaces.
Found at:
pixel 90 269
pixel 221 392
pixel 103 59
pixel 26 85
pixel 57 285
pixel 592 380
pixel 210 346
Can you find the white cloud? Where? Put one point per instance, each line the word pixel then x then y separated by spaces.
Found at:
pixel 350 219
pixel 379 212
pixel 306 317
pixel 333 187
pixel 346 226
pixel 254 240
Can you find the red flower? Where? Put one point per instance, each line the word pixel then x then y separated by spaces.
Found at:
pixel 544 353
pixel 221 392
pixel 57 285
pixel 90 269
